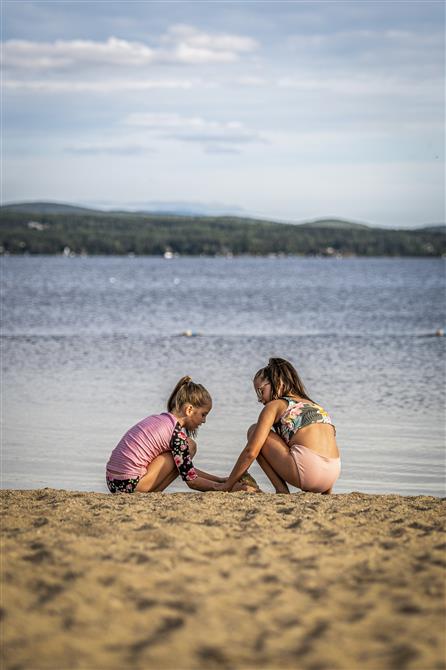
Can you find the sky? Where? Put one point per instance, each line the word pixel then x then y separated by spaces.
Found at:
pixel 291 111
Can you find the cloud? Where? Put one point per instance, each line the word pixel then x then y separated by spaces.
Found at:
pixel 165 121
pixel 363 85
pixel 22 54
pixel 111 150
pixel 214 135
pixel 193 46
pixel 220 150
pixel 220 136
pixel 95 86
pixel 181 45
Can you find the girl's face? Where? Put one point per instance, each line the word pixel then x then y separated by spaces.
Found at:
pixel 263 389
pixel 196 416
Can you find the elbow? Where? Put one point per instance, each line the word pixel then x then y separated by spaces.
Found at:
pixel 250 455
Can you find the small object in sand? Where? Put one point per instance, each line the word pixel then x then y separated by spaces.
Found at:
pixel 249 481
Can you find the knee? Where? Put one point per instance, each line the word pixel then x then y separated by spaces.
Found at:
pixel 251 429
pixel 192 446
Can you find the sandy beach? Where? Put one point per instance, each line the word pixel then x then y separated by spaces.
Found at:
pixel 184 581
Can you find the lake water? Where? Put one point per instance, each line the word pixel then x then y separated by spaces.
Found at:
pixel 92 345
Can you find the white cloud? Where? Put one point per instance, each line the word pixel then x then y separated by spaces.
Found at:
pixel 181 44
pixel 165 121
pixel 198 39
pixel 95 86
pixel 109 149
pixel 193 46
pixel 212 134
pixel 22 54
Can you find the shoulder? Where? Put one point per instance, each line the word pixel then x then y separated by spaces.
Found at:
pixel 167 418
pixel 274 408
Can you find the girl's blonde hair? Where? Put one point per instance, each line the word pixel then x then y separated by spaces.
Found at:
pixel 282 375
pixel 187 391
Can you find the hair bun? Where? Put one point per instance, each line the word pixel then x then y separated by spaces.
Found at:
pixel 188 391
pixel 277 361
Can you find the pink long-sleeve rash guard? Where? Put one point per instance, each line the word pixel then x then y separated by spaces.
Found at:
pixel 142 443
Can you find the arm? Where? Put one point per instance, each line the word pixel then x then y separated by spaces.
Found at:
pixel 255 443
pixel 212 478
pixel 195 479
pixel 203 484
pixel 206 475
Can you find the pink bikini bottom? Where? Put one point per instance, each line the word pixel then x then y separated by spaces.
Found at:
pixel 316 473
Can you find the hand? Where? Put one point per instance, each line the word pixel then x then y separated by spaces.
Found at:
pixel 239 486
pixel 222 486
pixel 246 488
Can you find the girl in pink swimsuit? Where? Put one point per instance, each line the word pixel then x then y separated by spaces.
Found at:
pixel 152 453
pixel 294 439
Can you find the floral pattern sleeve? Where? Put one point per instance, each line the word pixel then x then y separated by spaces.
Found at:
pixel 181 455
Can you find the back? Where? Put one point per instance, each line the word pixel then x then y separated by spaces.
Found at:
pixel 140 445
pixel 297 415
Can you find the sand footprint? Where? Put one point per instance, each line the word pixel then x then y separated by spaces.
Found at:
pixel 40 521
pixel 161 634
pixel 313 636
pixel 46 591
pixel 213 657
pixel 40 553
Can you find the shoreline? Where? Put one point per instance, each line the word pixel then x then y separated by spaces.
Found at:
pixel 191 581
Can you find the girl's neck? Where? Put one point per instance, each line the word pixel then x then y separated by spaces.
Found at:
pixel 180 419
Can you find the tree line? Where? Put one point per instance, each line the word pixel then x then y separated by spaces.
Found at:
pixel 150 234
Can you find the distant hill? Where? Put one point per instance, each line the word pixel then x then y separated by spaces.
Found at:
pixel 47 208
pixel 168 209
pixel 183 212
pixel 63 208
pixel 189 208
pixel 55 228
pixel 338 224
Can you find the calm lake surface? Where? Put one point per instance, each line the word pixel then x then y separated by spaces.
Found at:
pixel 92 345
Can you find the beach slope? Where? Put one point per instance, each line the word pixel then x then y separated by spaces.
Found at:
pixel 199 581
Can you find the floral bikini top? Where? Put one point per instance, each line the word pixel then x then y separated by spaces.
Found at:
pixel 297 415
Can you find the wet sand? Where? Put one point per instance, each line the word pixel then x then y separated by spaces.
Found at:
pixel 184 581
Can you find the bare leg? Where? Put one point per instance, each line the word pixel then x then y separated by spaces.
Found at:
pixel 160 471
pixel 277 463
pixel 165 483
pixel 279 484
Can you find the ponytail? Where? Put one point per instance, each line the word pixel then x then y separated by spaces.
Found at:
pixel 284 379
pixel 187 391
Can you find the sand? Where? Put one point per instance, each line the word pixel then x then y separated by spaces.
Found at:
pixel 191 580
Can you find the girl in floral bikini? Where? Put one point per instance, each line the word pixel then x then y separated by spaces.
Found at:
pixel 151 454
pixel 302 449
